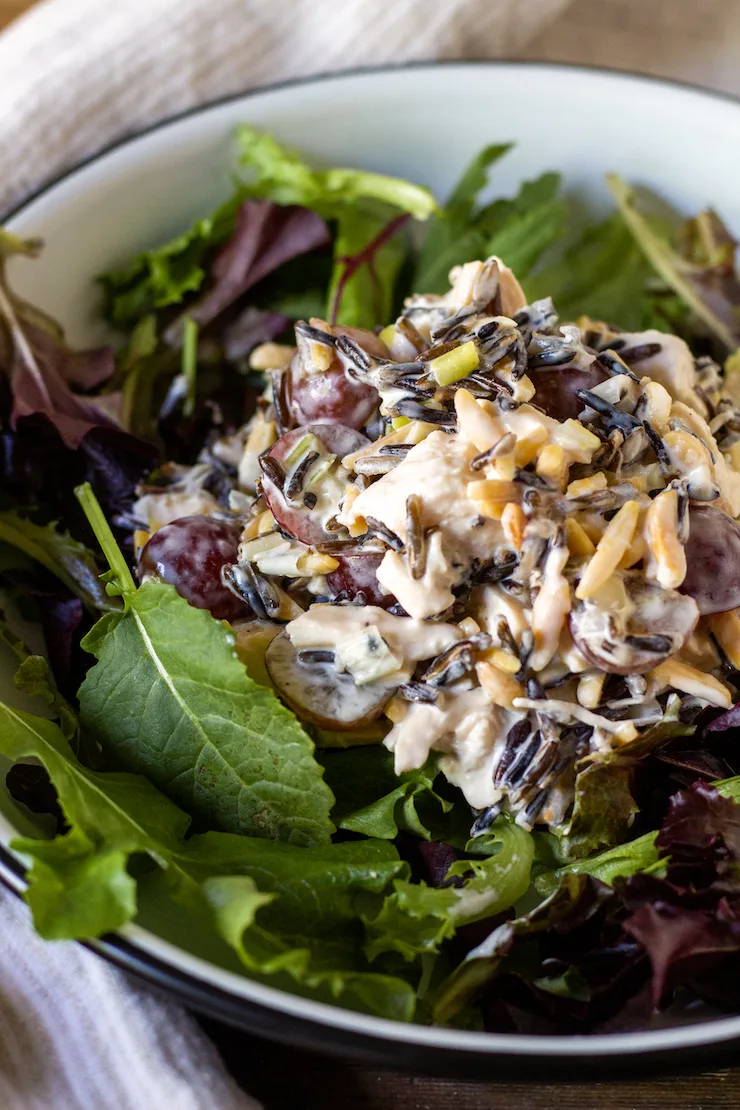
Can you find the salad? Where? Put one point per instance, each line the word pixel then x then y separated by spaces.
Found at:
pixel 388 570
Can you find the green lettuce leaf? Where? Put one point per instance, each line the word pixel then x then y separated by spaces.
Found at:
pixel 66 558
pixel 361 290
pixel 205 733
pixel 163 276
pixel 79 885
pixel 625 859
pixel 372 800
pixel 415 919
pixel 604 807
pixel 705 280
pixel 573 896
pixel 282 176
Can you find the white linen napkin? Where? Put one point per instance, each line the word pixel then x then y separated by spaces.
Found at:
pixel 77 1034
pixel 75 74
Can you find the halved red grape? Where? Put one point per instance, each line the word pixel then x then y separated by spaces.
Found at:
pixel 303 518
pixel 189 554
pixel 358 573
pixel 635 642
pixel 555 389
pixel 331 396
pixel 712 560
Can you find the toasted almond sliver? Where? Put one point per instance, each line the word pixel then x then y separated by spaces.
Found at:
pixel 501 688
pixel 493 509
pixel 634 553
pixel 583 486
pixel 514 522
pixel 590 688
pixel 491 489
pixel 691 681
pixel 141 538
pixel 528 446
pixel 668 565
pixel 478 425
pixel 611 547
pixel 579 543
pixel 271 356
pixel 552 465
pixel 658 403
pixel 726 628
pixel 505 661
pixel 396 709
pixel 576 440
pixel 314 563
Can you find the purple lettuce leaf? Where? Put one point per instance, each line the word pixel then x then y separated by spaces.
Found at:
pixel 266 236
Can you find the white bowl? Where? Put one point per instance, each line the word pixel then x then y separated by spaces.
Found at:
pixel 422 122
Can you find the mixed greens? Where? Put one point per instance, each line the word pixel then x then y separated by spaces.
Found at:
pixel 173 770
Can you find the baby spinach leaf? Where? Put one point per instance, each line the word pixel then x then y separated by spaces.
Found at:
pixel 204 733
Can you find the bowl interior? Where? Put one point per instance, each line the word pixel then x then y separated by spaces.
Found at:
pixel 424 123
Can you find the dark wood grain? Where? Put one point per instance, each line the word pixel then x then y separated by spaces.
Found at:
pixel 290 1079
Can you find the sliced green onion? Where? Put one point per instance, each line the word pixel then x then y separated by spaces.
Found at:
pixel 319 470
pixel 455 364
pixel 303 446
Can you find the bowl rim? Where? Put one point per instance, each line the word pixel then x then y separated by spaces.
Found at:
pixel 214 990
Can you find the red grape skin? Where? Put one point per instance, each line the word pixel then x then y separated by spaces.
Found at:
pixel 555 389
pixel 299 521
pixel 712 560
pixel 359 573
pixel 189 554
pixel 330 397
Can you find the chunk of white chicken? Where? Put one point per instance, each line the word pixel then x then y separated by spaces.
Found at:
pixel 468 729
pixel 437 471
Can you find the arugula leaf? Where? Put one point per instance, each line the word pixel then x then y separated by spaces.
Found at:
pixel 66 558
pixel 708 286
pixel 79 884
pixel 602 275
pixel 453 237
pixel 207 735
pixel 372 800
pixel 415 919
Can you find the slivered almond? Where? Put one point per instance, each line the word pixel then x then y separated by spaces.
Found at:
pixel 491 489
pixel 552 465
pixel 513 522
pixel 396 709
pixel 314 563
pixel 576 441
pixel 590 688
pixel 527 446
pixel 501 688
pixel 611 547
pixel 726 628
pixel 504 660
pixel 658 403
pixel 271 356
pixel 691 681
pixel 579 543
pixel 481 427
pixel 668 564
pixel 583 486
pixel 493 509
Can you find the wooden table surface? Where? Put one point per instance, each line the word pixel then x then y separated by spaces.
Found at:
pixel 287 1079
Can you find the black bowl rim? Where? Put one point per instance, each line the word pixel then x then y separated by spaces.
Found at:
pixel 376 1044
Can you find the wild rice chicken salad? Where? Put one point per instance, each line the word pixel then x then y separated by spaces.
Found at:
pixel 414 671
